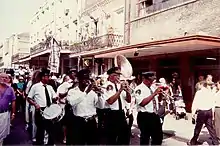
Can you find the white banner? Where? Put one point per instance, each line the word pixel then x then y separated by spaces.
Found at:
pixel 54 59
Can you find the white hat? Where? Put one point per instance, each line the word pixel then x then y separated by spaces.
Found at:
pixel 20 78
pixel 54 78
pixel 63 88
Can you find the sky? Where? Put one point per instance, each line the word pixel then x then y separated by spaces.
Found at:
pixel 15 16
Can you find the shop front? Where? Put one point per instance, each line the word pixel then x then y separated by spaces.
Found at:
pixel 188 56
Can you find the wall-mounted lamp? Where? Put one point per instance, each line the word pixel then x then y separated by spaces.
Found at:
pixel 136 53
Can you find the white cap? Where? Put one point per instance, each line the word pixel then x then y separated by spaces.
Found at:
pixel 54 78
pixel 63 88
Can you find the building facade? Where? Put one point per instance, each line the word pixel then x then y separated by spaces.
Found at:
pixel 170 36
pixel 57 19
pixel 13 49
pixel 20 45
pixel 100 26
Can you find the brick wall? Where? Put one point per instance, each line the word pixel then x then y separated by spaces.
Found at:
pixel 199 17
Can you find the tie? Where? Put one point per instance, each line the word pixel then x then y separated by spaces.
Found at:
pixel 154 102
pixel 47 96
pixel 119 99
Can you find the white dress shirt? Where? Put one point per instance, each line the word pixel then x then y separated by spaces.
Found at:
pixel 217 99
pixel 37 93
pixel 142 92
pixel 108 93
pixel 84 105
pixel 204 100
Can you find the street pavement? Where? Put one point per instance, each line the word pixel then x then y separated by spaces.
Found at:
pixel 18 134
pixel 176 132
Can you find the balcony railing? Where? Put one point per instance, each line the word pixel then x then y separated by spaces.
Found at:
pixel 18 56
pixel 165 4
pixel 105 41
pixel 42 46
pixel 1 64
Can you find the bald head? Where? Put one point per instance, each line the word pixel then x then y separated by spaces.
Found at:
pixel 4 78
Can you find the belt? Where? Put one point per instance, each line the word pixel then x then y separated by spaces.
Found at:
pixel 89 118
pixel 217 107
pixel 4 110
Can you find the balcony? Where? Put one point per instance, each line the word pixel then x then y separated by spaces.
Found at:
pixel 101 42
pixel 15 58
pixel 1 64
pixel 45 45
pixel 165 4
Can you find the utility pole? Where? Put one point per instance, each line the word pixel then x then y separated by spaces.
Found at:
pixel 129 22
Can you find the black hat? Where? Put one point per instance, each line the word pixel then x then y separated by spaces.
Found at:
pixel 72 70
pixel 148 74
pixel 44 72
pixel 84 74
pixel 114 70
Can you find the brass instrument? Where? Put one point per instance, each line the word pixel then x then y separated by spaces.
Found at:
pixel 126 69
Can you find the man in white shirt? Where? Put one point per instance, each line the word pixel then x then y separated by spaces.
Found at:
pixel 84 102
pixel 116 95
pixel 41 96
pixel 147 106
pixel 203 105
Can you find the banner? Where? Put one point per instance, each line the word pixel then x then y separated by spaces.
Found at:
pixel 54 59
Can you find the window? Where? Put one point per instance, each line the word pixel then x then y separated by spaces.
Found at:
pixel 66 12
pixel 143 4
pixel 146 3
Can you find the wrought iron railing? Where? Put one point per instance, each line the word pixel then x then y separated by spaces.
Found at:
pixel 18 56
pixel 105 41
pixel 42 46
pixel 165 4
pixel 1 64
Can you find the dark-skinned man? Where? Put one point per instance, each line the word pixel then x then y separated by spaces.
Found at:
pixel 116 94
pixel 147 106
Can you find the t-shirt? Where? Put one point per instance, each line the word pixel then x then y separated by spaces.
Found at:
pixel 6 98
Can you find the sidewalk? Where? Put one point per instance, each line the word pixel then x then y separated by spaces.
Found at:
pixel 182 130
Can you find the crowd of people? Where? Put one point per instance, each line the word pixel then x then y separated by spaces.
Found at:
pixel 100 110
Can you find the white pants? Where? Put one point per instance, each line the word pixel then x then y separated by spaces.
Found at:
pixel 1 142
pixel 27 112
pixel 34 128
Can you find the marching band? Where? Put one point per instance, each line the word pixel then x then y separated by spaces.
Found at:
pixel 93 112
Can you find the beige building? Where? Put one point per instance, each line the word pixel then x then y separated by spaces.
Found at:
pixel 100 26
pixel 20 45
pixel 13 49
pixel 56 18
pixel 170 36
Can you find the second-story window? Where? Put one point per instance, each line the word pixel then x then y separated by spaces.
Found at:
pixel 146 3
pixel 143 5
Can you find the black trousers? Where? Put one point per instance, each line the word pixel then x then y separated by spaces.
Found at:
pixel 118 132
pixel 70 128
pixel 102 126
pixel 42 125
pixel 204 117
pixel 150 126
pixel 85 132
pixel 20 103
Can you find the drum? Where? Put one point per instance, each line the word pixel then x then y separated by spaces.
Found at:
pixel 54 113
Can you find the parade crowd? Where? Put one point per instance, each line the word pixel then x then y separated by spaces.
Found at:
pixel 79 108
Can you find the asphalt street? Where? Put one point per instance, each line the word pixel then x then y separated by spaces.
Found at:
pixel 19 136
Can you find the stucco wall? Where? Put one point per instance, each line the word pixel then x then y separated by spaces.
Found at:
pixel 198 17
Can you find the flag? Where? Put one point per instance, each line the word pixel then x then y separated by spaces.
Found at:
pixel 54 59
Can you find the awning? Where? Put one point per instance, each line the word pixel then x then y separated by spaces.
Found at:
pixel 24 59
pixel 48 51
pixel 183 44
